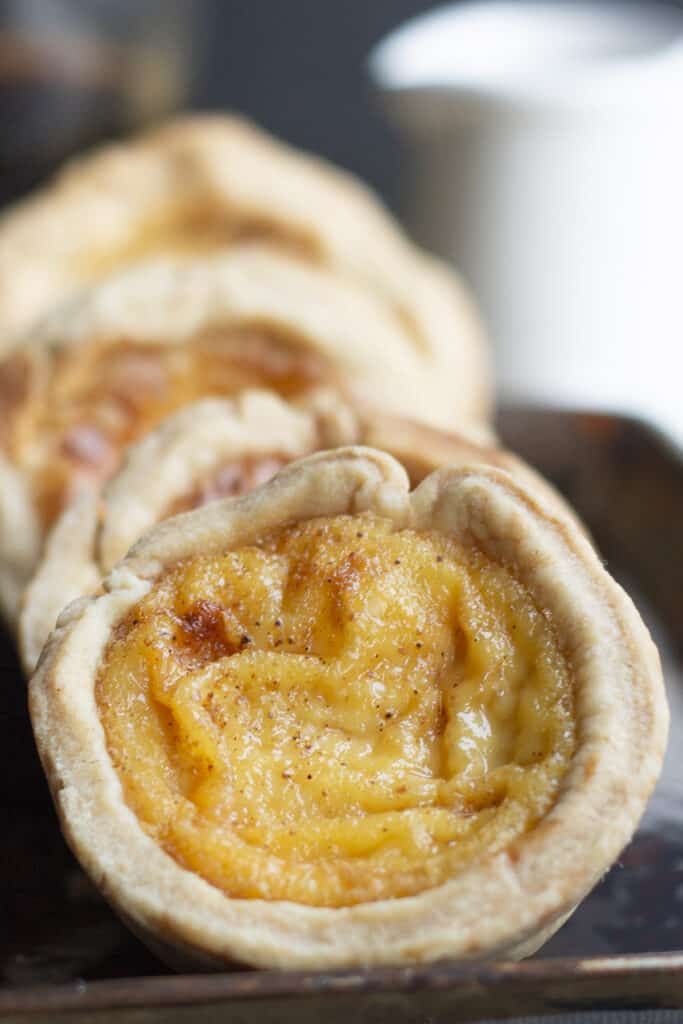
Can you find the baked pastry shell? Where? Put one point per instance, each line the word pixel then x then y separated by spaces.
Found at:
pixel 505 904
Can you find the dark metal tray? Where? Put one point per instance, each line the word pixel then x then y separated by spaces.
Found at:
pixel 65 956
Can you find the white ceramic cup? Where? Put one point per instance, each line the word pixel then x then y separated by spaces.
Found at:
pixel 547 149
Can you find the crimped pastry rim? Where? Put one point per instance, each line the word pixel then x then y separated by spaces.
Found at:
pixel 504 904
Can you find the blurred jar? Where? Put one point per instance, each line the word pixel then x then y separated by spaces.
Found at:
pixel 75 72
pixel 547 143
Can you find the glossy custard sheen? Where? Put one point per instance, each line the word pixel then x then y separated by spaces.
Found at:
pixel 341 712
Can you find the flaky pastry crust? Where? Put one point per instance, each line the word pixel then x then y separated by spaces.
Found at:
pixel 349 337
pixel 201 183
pixel 172 469
pixel 502 905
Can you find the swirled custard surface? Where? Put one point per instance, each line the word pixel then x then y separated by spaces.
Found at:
pixel 338 713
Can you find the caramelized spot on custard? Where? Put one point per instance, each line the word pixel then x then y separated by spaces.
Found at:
pixel 98 398
pixel 338 713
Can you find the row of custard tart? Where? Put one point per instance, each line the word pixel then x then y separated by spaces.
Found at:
pixel 336 722
pixel 307 713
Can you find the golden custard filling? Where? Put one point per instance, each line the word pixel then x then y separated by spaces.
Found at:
pixel 340 712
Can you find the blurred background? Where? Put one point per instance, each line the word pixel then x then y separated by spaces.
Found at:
pixel 297 67
pixel 73 71
pixel 566 224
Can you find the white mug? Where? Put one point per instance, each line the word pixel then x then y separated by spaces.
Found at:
pixel 547 149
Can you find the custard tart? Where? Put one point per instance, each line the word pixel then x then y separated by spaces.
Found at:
pixel 333 722
pixel 215 448
pixel 197 185
pixel 103 371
